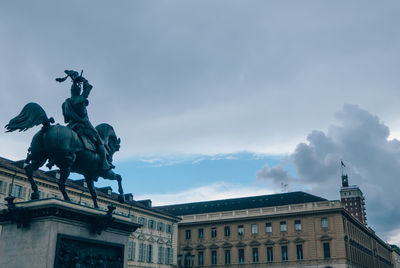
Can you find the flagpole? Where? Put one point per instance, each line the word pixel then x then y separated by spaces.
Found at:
pixel 342 165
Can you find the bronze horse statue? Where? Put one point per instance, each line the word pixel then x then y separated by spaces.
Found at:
pixel 63 147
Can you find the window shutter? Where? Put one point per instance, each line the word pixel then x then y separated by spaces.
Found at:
pixel 133 250
pixel 130 245
pixel 143 252
pixel 23 193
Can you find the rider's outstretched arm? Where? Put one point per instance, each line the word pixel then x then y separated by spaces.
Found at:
pixel 86 89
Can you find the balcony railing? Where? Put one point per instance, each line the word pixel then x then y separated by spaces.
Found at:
pixel 304 207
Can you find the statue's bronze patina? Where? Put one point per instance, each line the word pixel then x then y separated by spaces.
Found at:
pixel 77 147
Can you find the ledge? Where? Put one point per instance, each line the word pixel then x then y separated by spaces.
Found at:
pixel 55 208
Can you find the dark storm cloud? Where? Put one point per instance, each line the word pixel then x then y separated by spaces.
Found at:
pixel 200 76
pixel 372 161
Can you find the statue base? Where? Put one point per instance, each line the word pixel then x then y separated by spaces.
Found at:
pixel 55 233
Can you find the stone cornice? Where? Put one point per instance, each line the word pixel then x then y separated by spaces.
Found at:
pixel 45 208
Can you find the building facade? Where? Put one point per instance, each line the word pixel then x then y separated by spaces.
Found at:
pixel 283 230
pixel 396 256
pixel 152 245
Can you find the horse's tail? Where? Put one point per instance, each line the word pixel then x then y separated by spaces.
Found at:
pixel 31 115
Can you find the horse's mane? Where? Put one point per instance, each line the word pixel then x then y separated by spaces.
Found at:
pixel 105 130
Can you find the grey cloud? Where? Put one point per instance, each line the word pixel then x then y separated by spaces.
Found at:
pixel 373 162
pixel 199 76
pixel 276 174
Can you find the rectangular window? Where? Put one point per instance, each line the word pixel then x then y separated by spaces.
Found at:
pixel 141 252
pixel 241 255
pixel 151 224
pixel 284 253
pixel 227 257
pixel 169 228
pixel 213 257
pixel 42 195
pixel 213 232
pixel 200 258
pixel 187 234
pixel 188 260
pixel 240 230
pixel 254 229
pixel 19 191
pixel 327 251
pixel 160 226
pixel 324 222
pixel 297 225
pixel 270 254
pixel 268 227
pixel 160 255
pixel 255 255
pixel 201 233
pixel 299 250
pixel 168 255
pixel 3 187
pixel 283 226
pixel 131 250
pixel 142 220
pixel 227 231
pixel 149 253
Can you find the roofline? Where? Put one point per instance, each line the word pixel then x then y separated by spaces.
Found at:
pixel 237 199
pixel 367 229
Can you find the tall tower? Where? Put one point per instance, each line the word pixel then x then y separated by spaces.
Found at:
pixel 352 199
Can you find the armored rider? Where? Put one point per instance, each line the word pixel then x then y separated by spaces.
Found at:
pixel 76 116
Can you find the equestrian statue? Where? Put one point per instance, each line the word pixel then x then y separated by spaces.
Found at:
pixel 78 147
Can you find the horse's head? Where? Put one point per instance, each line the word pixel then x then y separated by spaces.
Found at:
pixel 109 137
pixel 114 144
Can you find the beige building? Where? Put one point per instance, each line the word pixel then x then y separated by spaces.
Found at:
pixel 153 245
pixel 282 230
pixel 396 256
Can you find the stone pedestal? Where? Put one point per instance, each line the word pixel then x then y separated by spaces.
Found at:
pixel 54 233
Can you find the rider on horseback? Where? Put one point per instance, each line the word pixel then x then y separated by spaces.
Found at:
pixel 76 116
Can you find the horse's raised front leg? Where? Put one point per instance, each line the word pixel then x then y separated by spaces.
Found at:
pixel 34 165
pixel 110 175
pixel 120 190
pixel 92 190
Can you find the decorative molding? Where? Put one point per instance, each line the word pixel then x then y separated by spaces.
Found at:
pixel 298 240
pixel 283 241
pixel 254 243
pixel 141 237
pixel 240 245
pixel 213 246
pixel 200 247
pixel 269 242
pixel 325 238
pixel 187 248
pixel 227 245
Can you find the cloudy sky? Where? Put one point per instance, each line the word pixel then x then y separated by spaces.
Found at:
pixel 216 99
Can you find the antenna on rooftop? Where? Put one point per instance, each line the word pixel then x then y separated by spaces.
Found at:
pixel 284 187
